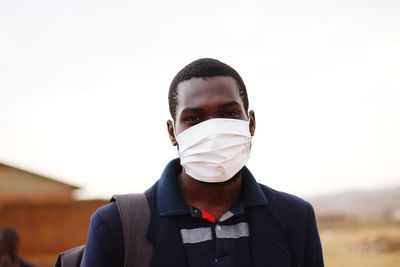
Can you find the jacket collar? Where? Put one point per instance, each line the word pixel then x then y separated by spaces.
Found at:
pixel 168 248
pixel 268 238
pixel 169 198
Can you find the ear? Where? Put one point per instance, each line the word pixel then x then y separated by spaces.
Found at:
pixel 171 132
pixel 252 122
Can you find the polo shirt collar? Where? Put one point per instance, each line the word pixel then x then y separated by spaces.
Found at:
pixel 170 201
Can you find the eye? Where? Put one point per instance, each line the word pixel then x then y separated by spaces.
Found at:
pixel 192 119
pixel 232 114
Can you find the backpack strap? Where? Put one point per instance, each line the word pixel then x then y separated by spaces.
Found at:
pixel 70 258
pixel 134 212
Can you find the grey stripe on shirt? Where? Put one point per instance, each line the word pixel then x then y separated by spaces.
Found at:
pixel 233 231
pixel 196 235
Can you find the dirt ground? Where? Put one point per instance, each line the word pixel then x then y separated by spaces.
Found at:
pixel 368 245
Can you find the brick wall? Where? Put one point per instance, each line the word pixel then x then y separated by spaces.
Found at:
pixel 47 229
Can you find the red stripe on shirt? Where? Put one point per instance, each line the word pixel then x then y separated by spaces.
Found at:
pixel 207 216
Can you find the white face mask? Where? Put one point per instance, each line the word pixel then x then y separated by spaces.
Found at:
pixel 213 151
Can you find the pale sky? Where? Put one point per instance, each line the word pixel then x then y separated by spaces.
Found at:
pixel 84 84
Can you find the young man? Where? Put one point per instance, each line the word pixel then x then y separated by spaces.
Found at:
pixel 207 209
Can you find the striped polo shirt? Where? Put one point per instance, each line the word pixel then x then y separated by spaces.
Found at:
pixel 209 242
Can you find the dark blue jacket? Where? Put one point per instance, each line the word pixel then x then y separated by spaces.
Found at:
pixel 24 264
pixel 283 232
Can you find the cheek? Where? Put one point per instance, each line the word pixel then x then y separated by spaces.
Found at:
pixel 178 128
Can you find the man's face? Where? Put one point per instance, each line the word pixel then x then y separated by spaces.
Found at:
pixel 202 99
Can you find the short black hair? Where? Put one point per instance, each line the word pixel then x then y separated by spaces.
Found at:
pixel 204 68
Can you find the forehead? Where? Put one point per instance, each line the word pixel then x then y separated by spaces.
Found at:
pixel 197 92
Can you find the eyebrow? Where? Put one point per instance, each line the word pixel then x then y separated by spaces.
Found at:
pixel 191 110
pixel 225 105
pixel 230 104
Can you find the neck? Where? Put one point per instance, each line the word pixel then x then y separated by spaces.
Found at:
pixel 216 198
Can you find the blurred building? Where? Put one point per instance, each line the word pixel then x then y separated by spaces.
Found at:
pixel 17 185
pixel 45 213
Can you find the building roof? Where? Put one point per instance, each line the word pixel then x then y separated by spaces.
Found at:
pixel 36 176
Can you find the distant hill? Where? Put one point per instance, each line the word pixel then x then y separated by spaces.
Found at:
pixel 365 206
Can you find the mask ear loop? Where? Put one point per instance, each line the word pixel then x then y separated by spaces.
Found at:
pixel 173 126
pixel 176 140
pixel 251 136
